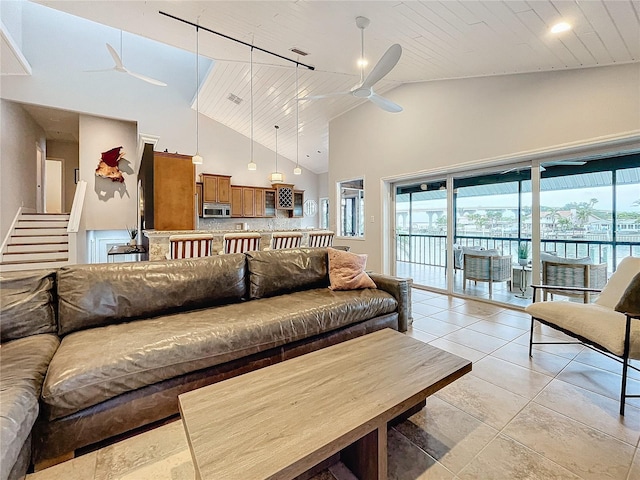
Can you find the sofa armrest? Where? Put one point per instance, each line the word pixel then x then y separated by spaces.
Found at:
pixel 400 288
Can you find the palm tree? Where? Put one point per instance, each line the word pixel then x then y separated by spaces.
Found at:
pixel 584 211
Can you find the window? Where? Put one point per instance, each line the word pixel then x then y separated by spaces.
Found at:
pixel 351 208
pixel 324 213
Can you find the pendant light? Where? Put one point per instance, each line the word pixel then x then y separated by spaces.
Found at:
pixel 276 177
pixel 297 170
pixel 252 165
pixel 197 158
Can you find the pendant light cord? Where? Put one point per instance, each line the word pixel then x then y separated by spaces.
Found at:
pixel 361 56
pixel 197 91
pixel 251 95
pixel 297 121
pixel 276 127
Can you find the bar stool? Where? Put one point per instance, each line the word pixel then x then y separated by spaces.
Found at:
pixel 190 245
pixel 240 242
pixel 280 240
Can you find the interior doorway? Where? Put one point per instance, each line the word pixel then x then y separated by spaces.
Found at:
pixel 54 185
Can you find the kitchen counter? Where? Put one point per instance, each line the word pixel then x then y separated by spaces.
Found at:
pixel 159 239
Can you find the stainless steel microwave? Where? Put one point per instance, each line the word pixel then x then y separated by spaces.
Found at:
pixel 216 210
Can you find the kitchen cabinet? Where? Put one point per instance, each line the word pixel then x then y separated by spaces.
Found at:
pixel 236 201
pixel 199 198
pixel 298 204
pixel 248 202
pixel 243 201
pixel 260 207
pixel 269 202
pixel 215 188
pixel 284 196
pixel 167 189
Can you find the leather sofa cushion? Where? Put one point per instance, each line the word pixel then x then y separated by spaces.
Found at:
pixel 26 304
pixel 144 352
pixel 23 364
pixel 100 294
pixel 275 272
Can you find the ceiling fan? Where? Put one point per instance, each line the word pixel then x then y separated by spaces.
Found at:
pixel 119 66
pixel 546 164
pixel 365 88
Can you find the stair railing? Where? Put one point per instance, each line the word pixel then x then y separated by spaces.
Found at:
pixel 75 229
pixel 10 231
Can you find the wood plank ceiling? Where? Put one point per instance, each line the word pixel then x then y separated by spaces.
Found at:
pixel 440 40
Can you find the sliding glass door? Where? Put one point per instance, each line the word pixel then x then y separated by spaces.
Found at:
pixel 589 214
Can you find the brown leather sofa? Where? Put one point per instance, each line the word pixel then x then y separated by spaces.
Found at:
pixel 136 335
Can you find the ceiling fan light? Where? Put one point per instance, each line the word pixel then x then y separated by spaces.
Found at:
pixel 197 159
pixel 560 27
pixel 363 62
pixel 252 166
pixel 297 170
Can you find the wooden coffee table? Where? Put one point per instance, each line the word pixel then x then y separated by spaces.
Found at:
pixel 280 421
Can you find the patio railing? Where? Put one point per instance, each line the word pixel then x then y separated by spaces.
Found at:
pixel 428 249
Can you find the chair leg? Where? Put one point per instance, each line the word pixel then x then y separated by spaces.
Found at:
pixel 623 392
pixel 531 339
pixel 625 364
pixel 490 289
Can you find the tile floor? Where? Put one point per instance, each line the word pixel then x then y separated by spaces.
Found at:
pixel 554 416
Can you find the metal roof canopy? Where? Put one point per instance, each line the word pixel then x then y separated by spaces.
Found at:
pixel 595 173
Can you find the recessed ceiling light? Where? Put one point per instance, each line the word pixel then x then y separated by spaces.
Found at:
pixel 362 62
pixel 560 27
pixel 299 52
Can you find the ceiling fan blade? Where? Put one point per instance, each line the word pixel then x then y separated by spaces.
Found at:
pixel 115 56
pixel 385 104
pixel 326 95
pixel 384 66
pixel 100 70
pixel 150 80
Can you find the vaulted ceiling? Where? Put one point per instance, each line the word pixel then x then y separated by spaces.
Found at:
pixel 440 40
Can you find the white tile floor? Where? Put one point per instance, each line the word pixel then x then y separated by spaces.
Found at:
pixel 553 416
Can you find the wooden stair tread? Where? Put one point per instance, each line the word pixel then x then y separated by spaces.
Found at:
pixel 37 251
pixel 18 262
pixel 33 244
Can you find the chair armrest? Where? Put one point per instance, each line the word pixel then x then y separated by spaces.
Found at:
pixel 635 316
pixel 568 289
pixel 400 288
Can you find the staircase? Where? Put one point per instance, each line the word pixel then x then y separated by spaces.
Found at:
pixel 39 240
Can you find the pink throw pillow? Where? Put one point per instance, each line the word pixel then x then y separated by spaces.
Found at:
pixel 346 271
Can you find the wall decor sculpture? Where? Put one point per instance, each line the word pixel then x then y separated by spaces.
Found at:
pixel 108 166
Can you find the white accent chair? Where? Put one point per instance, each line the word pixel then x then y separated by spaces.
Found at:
pixel 240 242
pixel 190 245
pixel 595 325
pixel 320 238
pixel 280 240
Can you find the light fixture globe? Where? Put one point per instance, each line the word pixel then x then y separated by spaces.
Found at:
pixel 276 177
pixel 197 159
pixel 297 170
pixel 252 166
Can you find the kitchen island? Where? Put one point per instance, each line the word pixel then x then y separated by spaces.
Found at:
pixel 159 240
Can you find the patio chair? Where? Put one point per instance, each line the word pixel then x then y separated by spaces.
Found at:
pixel 567 272
pixel 321 238
pixel 487 266
pixel 280 240
pixel 240 242
pixel 190 245
pixel 595 325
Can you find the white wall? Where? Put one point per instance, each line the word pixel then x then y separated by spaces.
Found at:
pixel 69 152
pixel 108 205
pixel 19 134
pixel 449 124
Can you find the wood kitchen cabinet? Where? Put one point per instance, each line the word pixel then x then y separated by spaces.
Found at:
pixel 269 202
pixel 167 190
pixel 259 202
pixel 215 188
pixel 243 201
pixel 236 201
pixel 284 196
pixel 199 198
pixel 298 204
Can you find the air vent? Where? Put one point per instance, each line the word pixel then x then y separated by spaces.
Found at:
pixel 299 52
pixel 234 98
